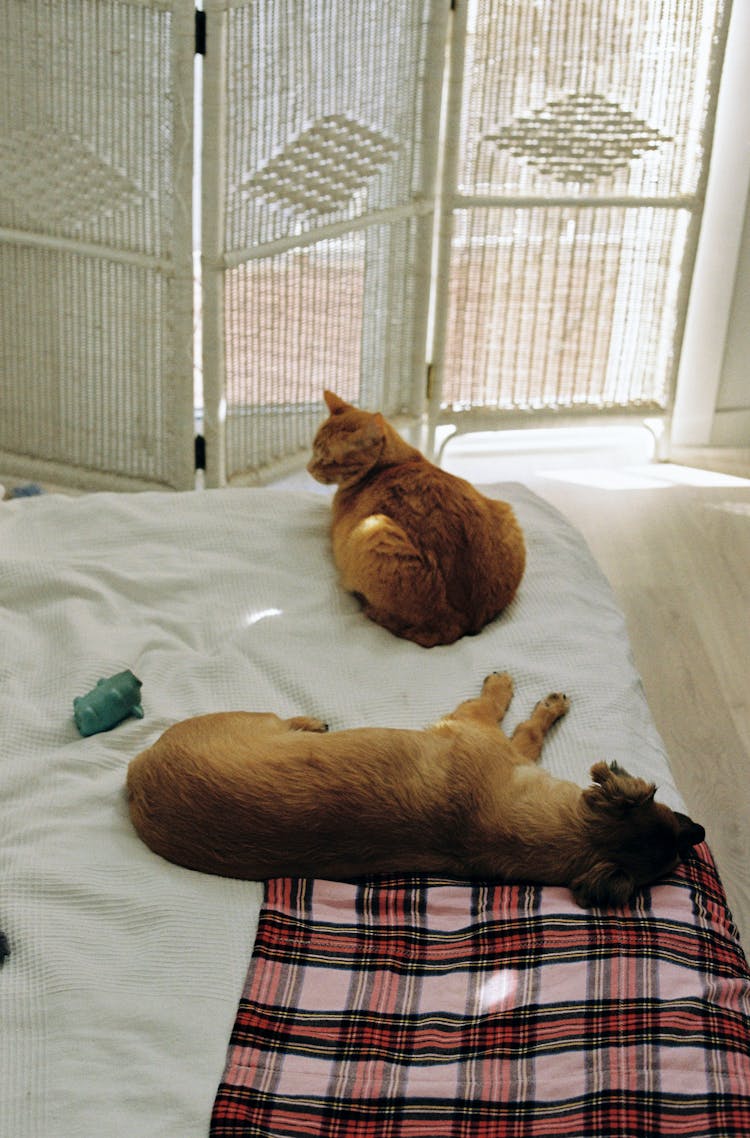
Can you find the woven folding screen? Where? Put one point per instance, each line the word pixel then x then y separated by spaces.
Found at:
pixel 95 239
pixel 321 130
pixel 573 155
pixel 575 179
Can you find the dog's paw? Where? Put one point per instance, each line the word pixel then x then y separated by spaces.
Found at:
pixel 498 679
pixel 556 703
pixel 306 723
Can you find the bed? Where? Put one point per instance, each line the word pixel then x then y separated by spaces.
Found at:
pixel 140 998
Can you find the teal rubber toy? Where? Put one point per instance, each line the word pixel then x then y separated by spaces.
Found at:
pixel 106 705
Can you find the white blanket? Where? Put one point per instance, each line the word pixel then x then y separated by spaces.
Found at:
pixel 119 995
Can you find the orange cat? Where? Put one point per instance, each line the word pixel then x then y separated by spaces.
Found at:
pixel 430 557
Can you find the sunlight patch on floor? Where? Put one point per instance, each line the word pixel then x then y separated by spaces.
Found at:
pixel 521 456
pixel 604 458
pixel 656 476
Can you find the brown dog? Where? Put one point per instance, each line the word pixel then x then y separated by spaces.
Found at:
pixel 250 795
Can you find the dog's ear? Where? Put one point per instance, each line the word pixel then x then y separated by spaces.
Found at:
pixel 602 884
pixel 689 833
pixel 615 788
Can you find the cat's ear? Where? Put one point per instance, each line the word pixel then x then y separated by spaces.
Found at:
pixel 334 404
pixel 374 430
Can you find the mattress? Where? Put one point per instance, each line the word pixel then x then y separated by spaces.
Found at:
pixel 119 995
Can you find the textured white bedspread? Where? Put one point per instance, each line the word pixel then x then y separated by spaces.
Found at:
pixel 119 995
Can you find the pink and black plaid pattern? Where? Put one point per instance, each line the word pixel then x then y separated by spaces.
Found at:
pixel 413 1007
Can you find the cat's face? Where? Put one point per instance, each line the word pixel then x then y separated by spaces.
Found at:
pixel 347 445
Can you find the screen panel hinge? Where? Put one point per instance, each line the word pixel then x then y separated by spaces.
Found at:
pixel 200 452
pixel 200 32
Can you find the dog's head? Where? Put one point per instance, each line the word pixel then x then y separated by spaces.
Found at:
pixel 633 840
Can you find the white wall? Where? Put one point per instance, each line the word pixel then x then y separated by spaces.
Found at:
pixel 712 402
pixel 731 421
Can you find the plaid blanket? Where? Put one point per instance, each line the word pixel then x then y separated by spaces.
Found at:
pixel 412 1007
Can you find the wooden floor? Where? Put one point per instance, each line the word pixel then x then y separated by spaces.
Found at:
pixel 674 542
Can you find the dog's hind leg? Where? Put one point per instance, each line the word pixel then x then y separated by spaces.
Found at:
pixel 528 736
pixel 489 707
